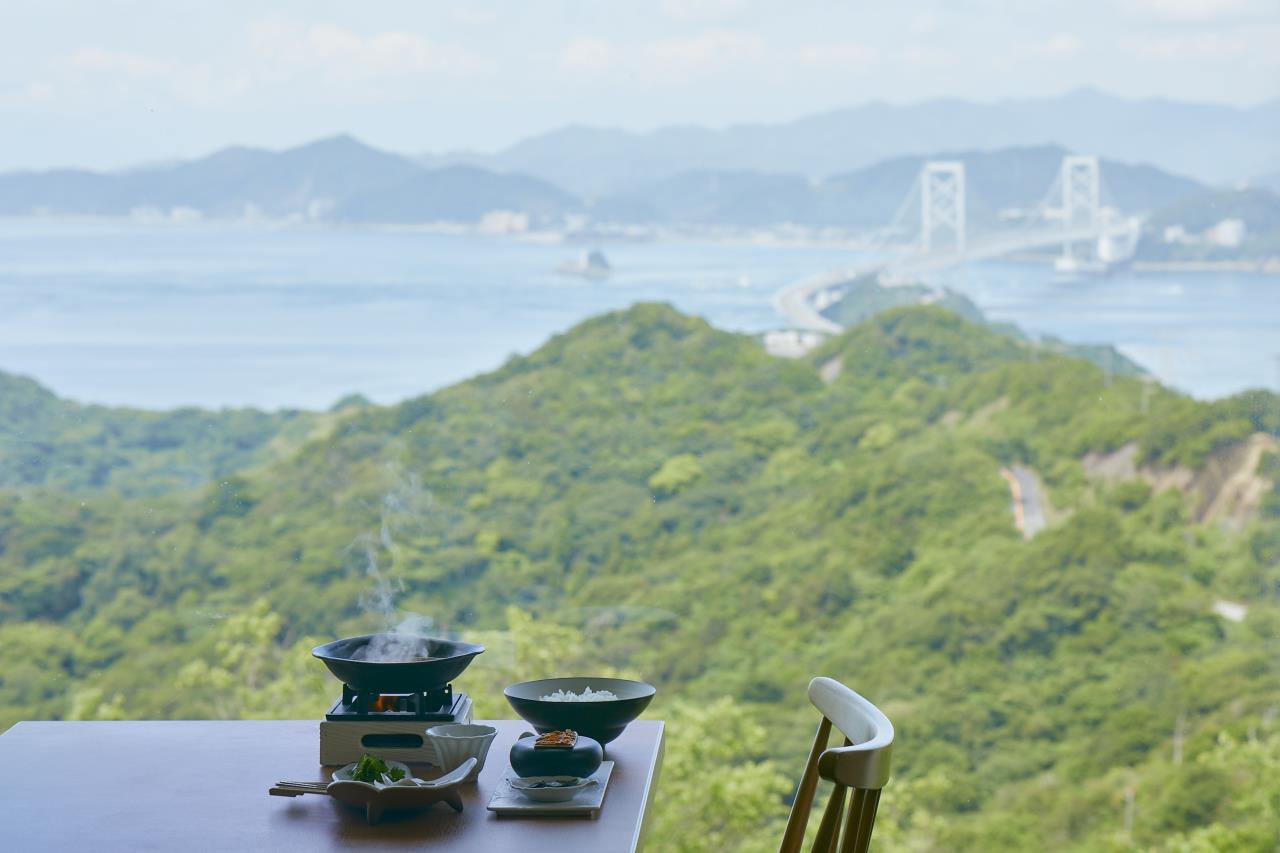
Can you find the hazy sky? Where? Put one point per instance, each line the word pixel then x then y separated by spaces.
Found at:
pixel 110 83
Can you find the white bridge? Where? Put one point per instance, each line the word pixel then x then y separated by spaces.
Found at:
pixel 1071 215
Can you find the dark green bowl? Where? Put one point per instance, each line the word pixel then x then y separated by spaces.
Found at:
pixel 600 721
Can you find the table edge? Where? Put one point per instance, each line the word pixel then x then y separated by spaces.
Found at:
pixel 650 785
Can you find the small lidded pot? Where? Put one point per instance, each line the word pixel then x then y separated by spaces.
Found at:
pixel 563 753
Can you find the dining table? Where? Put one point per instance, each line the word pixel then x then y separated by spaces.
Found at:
pixel 194 785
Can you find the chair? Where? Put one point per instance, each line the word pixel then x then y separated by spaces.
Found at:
pixel 862 765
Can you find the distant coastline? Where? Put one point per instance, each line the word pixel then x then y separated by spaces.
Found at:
pixel 778 236
pixel 1266 266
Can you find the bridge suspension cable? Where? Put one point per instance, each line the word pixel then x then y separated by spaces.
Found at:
pixel 1071 211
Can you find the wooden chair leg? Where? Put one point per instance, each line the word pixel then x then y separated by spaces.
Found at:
pixel 803 803
pixel 862 818
pixel 829 831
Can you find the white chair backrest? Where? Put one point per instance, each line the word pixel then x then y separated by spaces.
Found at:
pixel 864 764
pixel 860 768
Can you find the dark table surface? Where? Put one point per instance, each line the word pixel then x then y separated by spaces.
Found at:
pixel 202 785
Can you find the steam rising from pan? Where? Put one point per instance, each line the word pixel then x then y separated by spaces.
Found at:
pixel 403 636
pixel 403 644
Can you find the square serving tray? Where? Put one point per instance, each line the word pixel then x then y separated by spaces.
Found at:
pixel 508 801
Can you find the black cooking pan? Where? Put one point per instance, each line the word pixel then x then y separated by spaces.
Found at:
pixel 445 660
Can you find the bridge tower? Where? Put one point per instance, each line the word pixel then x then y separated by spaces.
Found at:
pixel 1081 190
pixel 942 203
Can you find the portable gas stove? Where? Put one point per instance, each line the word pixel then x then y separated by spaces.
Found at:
pixel 387 706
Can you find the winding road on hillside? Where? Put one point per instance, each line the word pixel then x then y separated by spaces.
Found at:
pixel 1028 499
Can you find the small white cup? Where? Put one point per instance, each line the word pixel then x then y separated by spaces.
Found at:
pixel 454 743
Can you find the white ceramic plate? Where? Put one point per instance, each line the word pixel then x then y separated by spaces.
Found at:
pixel 453 777
pixel 551 789
pixel 344 775
pixel 507 801
pixel 408 793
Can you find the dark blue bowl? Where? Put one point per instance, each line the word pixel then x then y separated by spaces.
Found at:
pixel 581 761
pixel 600 721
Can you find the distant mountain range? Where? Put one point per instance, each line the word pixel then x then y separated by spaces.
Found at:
pixel 846 167
pixel 868 197
pixel 457 194
pixel 224 183
pixel 342 180
pixel 840 169
pixel 338 179
pixel 1213 143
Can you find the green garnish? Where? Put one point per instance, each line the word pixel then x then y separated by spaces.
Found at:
pixel 370 768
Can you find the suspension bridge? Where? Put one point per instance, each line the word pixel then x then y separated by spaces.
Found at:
pixel 1071 215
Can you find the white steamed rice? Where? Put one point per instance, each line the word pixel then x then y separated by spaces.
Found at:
pixel 587 695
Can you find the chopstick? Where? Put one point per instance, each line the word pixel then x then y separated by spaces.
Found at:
pixel 286 788
pixel 297 789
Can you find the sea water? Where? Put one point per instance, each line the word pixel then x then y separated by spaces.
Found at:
pixel 226 315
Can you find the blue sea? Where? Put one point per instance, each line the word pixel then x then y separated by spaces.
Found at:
pixel 214 315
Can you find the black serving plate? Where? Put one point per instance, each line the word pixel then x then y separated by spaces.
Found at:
pixel 447 660
pixel 600 721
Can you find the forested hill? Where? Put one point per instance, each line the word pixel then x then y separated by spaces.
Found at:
pixel 48 441
pixel 865 296
pixel 645 494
